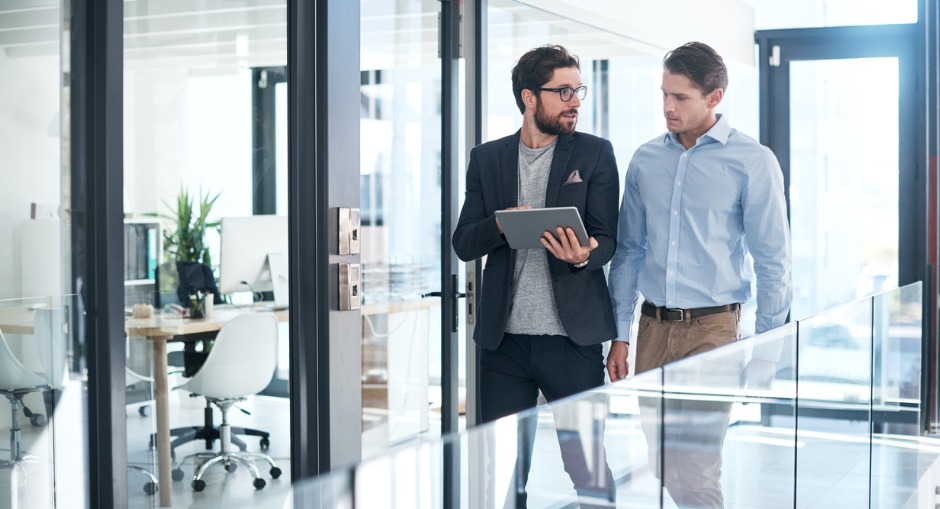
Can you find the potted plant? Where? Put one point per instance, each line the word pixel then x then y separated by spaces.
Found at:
pixel 184 240
pixel 187 241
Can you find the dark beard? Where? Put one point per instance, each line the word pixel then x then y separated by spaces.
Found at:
pixel 550 125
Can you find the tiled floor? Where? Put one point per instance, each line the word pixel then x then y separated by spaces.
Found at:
pixel 223 489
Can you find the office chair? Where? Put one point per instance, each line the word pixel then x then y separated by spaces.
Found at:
pixel 16 381
pixel 191 361
pixel 173 280
pixel 152 485
pixel 241 363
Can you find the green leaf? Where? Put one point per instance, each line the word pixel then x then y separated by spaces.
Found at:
pixel 187 240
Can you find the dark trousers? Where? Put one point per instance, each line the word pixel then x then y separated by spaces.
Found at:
pixel 510 380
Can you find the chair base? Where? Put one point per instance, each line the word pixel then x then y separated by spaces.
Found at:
pixel 209 433
pixel 229 461
pixel 152 486
pixel 228 458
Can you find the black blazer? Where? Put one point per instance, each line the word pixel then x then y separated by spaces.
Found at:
pixel 492 184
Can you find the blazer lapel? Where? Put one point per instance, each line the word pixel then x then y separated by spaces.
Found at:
pixel 559 166
pixel 509 171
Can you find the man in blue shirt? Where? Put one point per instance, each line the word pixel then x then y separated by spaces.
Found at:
pixel 698 203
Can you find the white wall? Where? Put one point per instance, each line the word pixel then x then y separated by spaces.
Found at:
pixel 30 162
pixel 187 130
pixel 726 25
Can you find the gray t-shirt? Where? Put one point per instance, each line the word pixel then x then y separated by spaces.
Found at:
pixel 533 309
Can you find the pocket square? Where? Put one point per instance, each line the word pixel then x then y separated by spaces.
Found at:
pixel 574 178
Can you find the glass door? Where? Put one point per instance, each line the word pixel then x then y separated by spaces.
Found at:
pixel 207 232
pixel 838 112
pixel 47 376
pixel 401 194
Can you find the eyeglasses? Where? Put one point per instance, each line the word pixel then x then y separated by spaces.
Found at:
pixel 567 93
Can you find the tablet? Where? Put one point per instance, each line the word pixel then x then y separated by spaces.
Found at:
pixel 524 227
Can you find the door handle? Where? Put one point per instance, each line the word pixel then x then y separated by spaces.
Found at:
pixel 456 295
pixel 439 294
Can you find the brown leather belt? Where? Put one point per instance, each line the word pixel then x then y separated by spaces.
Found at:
pixel 677 315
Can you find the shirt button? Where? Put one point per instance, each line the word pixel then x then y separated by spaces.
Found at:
pixel 685 154
pixel 672 273
pixel 673 243
pixel 675 212
pixel 668 302
pixel 678 182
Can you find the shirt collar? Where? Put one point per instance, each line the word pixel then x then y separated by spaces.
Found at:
pixel 719 132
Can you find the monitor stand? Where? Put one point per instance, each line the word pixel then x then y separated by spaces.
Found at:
pixel 277 268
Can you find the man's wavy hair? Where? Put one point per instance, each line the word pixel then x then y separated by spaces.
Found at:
pixel 700 63
pixel 536 67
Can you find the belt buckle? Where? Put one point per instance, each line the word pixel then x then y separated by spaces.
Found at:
pixel 681 314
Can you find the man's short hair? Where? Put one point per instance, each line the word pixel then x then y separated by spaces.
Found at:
pixel 700 63
pixel 536 68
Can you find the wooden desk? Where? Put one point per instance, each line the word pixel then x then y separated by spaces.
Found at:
pixel 159 329
pixel 16 320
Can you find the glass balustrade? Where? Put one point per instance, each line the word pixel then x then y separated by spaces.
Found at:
pixel 823 412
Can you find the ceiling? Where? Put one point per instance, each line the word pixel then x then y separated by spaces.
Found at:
pixel 227 35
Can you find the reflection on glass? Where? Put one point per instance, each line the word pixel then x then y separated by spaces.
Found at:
pixel 896 393
pixel 40 389
pixel 722 410
pixel 771 455
pixel 844 181
pixel 834 386
pixel 204 124
pixel 400 188
pixel 43 390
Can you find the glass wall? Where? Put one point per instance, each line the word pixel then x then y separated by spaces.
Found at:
pixel 206 250
pixel 400 188
pixel 43 375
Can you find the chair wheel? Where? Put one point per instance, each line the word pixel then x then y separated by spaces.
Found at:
pixel 151 488
pixel 177 474
pixel 275 473
pixel 259 484
pixel 230 467
pixel 37 420
pixel 265 444
pixel 199 485
pixel 144 411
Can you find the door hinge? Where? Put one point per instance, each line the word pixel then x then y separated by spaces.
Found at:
pixel 775 56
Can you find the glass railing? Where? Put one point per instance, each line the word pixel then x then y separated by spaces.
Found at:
pixel 42 408
pixel 823 412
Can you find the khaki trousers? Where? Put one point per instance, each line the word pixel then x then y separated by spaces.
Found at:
pixel 685 435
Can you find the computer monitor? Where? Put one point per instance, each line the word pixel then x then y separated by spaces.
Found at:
pixel 254 256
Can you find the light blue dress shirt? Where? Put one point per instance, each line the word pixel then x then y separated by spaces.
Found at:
pixel 690 221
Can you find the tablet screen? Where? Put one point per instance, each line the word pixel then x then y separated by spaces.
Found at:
pixel 524 227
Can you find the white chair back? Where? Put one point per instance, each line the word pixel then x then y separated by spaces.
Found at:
pixel 50 344
pixel 242 359
pixel 13 374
